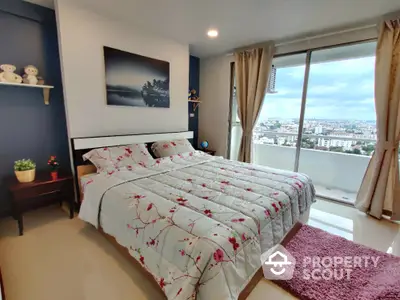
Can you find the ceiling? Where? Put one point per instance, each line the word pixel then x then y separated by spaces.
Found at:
pixel 240 22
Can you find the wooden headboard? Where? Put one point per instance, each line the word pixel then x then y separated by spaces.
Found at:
pixel 82 171
pixel 81 146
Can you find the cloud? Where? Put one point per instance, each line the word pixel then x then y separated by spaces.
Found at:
pixel 326 89
pixel 336 90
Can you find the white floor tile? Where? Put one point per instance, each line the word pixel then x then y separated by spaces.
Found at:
pixel 64 259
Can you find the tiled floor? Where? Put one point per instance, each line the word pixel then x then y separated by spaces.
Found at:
pixel 335 194
pixel 62 259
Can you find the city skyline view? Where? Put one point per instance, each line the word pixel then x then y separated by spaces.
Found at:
pixel 340 109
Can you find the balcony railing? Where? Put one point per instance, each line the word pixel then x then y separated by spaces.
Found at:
pixel 331 171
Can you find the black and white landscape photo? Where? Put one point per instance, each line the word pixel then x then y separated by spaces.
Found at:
pixel 135 80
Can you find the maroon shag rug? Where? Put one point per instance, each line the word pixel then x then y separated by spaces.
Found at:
pixel 374 275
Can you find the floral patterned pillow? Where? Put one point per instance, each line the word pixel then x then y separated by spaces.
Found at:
pixel 168 148
pixel 118 157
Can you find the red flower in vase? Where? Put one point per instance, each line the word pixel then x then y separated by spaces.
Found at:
pixel 53 163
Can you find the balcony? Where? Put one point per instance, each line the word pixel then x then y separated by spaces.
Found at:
pixel 336 175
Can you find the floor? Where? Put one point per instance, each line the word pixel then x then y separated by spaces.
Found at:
pixel 335 194
pixel 62 259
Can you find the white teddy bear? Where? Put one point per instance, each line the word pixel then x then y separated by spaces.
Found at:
pixel 30 76
pixel 8 74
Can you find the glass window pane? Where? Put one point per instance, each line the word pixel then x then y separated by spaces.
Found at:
pixel 275 134
pixel 339 132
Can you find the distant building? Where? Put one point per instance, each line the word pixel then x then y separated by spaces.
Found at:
pixel 319 130
pixel 267 140
pixel 323 142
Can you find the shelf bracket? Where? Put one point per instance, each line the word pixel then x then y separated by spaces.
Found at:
pixel 46 95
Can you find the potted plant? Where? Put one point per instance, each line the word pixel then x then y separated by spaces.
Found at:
pixel 54 165
pixel 25 170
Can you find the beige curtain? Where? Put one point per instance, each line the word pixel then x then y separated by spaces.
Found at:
pixel 252 69
pixel 379 192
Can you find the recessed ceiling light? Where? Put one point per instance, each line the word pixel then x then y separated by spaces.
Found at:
pixel 212 33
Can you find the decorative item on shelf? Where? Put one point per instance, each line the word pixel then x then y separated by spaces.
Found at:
pixel 8 75
pixel 192 97
pixel 30 76
pixel 40 80
pixel 25 170
pixel 54 165
pixel 204 145
pixel 31 80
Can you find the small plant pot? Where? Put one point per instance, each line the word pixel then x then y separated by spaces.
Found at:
pixel 54 175
pixel 25 176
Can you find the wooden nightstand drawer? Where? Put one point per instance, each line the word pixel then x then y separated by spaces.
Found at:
pixel 42 191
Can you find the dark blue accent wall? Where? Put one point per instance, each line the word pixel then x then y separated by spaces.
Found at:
pixel 194 83
pixel 28 127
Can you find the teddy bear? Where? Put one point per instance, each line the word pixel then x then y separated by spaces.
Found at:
pixel 8 74
pixel 30 76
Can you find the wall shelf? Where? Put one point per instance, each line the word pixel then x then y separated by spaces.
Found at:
pixel 46 89
pixel 196 103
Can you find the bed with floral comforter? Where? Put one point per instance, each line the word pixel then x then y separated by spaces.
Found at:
pixel 197 223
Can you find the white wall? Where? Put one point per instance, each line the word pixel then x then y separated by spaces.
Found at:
pixel 325 39
pixel 82 35
pixel 214 110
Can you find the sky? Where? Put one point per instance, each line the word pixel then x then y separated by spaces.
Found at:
pixel 336 90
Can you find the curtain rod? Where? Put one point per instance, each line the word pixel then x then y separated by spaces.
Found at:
pixel 311 37
pixel 325 35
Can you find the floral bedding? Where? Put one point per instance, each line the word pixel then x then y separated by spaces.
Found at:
pixel 109 158
pixel 197 223
pixel 167 148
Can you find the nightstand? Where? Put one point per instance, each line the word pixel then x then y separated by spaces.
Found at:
pixel 41 192
pixel 208 151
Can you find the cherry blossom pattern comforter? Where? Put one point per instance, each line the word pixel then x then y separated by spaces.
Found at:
pixel 197 223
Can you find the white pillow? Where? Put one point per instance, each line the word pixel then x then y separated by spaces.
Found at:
pixel 168 148
pixel 121 156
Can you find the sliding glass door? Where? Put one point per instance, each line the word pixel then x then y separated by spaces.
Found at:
pixel 318 117
pixel 339 130
pixel 276 132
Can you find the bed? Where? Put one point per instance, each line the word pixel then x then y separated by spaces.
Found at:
pixel 196 224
